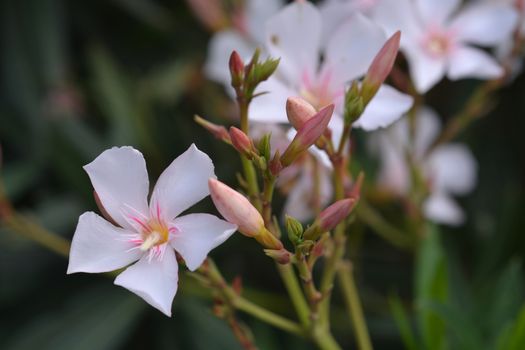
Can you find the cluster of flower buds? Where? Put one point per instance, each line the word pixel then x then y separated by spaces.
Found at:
pixel 245 78
pixel 238 210
pixel 329 218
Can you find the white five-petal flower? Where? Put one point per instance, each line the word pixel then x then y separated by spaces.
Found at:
pixel 450 169
pixel 294 35
pixel 439 39
pixel 148 233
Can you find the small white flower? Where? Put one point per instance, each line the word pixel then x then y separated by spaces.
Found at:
pixel 150 232
pixel 294 35
pixel 450 169
pixel 438 39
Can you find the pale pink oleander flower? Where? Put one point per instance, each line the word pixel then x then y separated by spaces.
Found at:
pixel 439 39
pixel 294 35
pixel 449 169
pixel 149 234
pixel 244 36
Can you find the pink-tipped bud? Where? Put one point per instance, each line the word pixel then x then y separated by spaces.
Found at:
pixel 299 111
pixel 281 256
pixel 380 67
pixel 235 208
pixel 335 214
pixel 308 134
pixel 218 131
pixel 236 69
pixel 329 218
pixel 241 142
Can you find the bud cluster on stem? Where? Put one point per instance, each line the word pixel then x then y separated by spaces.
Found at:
pixel 330 217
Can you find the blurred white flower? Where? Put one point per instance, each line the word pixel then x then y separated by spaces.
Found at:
pixel 294 35
pixel 440 39
pixel 244 36
pixel 150 232
pixel 450 169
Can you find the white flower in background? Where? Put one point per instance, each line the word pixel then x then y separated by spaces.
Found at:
pixel 148 233
pixel 439 39
pixel 450 169
pixel 294 35
pixel 244 36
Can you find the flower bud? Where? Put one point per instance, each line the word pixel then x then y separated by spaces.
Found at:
pixel 236 69
pixel 298 111
pixel 294 229
pixel 241 142
pixel 308 134
pixel 235 208
pixel 275 165
pixel 329 218
pixel 281 256
pixel 218 131
pixel 380 67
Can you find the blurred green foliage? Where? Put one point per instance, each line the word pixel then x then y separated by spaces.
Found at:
pixel 78 77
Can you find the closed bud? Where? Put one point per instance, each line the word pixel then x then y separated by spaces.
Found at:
pixel 329 218
pixel 294 229
pixel 264 147
pixel 308 134
pixel 264 70
pixel 235 208
pixel 241 142
pixel 281 256
pixel 236 70
pixel 354 104
pixel 218 131
pixel 335 214
pixel 380 67
pixel 298 111
pixel 275 165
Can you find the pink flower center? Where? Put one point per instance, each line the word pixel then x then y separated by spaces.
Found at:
pixel 318 90
pixel 438 42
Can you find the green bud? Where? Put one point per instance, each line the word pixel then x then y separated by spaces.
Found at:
pixel 294 229
pixel 354 104
pixel 264 147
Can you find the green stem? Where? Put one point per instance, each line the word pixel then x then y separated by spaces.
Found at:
pixel 380 226
pixel 325 340
pixel 268 317
pixel 295 293
pixel 269 187
pixel 353 304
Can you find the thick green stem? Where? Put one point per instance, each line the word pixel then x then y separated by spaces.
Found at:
pixel 296 295
pixel 353 304
pixel 325 340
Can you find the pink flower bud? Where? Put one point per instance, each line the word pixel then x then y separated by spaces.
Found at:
pixel 334 214
pixel 218 131
pixel 281 256
pixel 298 111
pixel 236 69
pixel 380 67
pixel 236 208
pixel 241 142
pixel 308 134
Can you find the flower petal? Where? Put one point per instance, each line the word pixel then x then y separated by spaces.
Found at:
pixel 182 184
pixel 426 71
pixel 197 235
pixel 436 12
pixel 443 209
pixel 394 15
pixel 352 48
pixel 120 178
pixel 154 281
pixel 335 13
pixel 485 24
pixel 219 50
pixel 428 126
pixel 257 13
pixel 393 172
pixel 385 108
pixel 294 34
pixel 467 62
pixel 271 106
pixel 98 246
pixel 452 168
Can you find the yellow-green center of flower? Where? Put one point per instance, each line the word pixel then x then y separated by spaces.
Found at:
pixel 156 234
